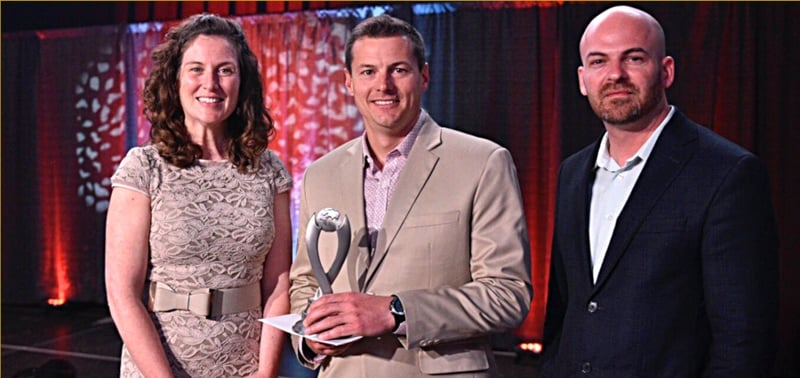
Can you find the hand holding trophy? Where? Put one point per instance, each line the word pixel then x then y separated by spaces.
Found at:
pixel 327 220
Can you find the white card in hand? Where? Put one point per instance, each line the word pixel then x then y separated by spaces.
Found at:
pixel 286 322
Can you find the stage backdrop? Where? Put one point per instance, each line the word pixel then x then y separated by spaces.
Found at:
pixel 71 107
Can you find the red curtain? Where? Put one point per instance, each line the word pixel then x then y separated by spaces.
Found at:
pixel 302 62
pixel 81 113
pixel 141 39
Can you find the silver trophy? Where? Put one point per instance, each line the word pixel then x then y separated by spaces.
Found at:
pixel 327 220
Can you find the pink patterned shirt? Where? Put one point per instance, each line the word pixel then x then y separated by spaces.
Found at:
pixel 380 184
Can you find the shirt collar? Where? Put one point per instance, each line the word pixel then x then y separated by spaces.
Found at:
pixel 404 148
pixel 604 159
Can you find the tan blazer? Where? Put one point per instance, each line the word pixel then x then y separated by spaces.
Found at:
pixel 454 248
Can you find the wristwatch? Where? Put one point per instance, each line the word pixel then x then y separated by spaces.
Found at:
pixel 396 308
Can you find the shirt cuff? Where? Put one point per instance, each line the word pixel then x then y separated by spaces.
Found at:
pixel 402 329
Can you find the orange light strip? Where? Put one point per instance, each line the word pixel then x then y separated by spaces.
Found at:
pixel 57 257
pixel 55 228
pixel 533 347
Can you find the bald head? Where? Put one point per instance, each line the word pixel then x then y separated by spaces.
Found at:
pixel 625 71
pixel 628 19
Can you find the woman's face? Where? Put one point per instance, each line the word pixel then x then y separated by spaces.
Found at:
pixel 208 82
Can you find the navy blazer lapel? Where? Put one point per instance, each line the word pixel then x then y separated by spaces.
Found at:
pixel 418 168
pixel 671 152
pixel 583 206
pixel 571 239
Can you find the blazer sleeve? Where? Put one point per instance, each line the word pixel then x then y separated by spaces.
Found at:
pixel 499 295
pixel 739 257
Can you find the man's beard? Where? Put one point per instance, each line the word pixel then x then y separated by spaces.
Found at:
pixel 624 111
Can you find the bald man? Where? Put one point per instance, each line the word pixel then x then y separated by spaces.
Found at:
pixel 665 250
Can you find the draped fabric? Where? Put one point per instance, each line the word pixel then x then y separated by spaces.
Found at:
pixel 20 168
pixel 76 112
pixel 141 40
pixel 483 82
pixel 504 71
pixel 302 62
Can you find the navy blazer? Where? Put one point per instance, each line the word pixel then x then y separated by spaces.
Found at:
pixel 688 287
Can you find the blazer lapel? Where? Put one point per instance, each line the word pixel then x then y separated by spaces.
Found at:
pixel 582 205
pixel 572 217
pixel 353 207
pixel 418 169
pixel 671 152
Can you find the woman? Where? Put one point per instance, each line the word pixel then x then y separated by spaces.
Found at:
pixel 199 218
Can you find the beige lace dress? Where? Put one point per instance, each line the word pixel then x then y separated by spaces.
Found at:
pixel 211 227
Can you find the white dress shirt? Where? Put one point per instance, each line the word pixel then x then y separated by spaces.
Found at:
pixel 612 187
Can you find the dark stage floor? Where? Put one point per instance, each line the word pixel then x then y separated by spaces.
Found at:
pixel 41 341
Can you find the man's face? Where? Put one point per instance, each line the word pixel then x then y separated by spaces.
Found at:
pixel 387 84
pixel 623 75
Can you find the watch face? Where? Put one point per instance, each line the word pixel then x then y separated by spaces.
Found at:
pixel 396 306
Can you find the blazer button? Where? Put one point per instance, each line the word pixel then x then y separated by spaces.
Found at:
pixel 592 307
pixel 586 368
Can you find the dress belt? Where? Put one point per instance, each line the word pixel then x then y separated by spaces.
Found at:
pixel 209 303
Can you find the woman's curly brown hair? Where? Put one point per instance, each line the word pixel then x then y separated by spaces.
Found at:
pixel 250 126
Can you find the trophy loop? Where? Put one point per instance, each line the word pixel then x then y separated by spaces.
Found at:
pixel 327 220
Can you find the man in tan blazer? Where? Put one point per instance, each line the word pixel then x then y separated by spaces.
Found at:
pixel 439 253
